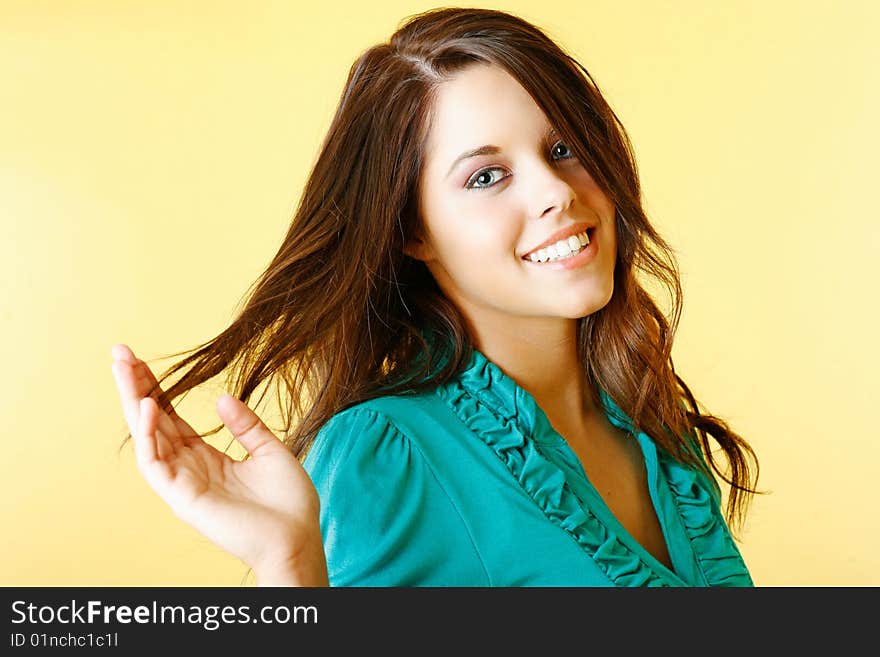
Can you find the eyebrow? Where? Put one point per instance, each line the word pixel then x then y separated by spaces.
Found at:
pixel 489 149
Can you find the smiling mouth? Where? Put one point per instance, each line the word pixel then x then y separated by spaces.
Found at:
pixel 562 249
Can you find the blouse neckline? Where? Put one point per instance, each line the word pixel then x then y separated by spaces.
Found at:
pixel 509 420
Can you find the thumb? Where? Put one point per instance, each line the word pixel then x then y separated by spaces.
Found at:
pixel 247 428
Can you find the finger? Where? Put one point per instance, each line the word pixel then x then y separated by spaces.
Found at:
pixel 247 428
pixel 146 383
pixel 139 381
pixel 127 394
pixel 127 383
pixel 167 433
pixel 164 446
pixel 131 398
pixel 144 439
pixel 153 466
pixel 122 351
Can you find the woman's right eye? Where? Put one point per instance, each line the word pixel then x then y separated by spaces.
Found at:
pixel 482 179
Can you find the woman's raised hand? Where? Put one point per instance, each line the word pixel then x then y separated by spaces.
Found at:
pixel 263 510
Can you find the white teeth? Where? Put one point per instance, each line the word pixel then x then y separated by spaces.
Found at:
pixel 567 255
pixel 561 249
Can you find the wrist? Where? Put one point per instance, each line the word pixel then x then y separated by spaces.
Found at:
pixel 303 569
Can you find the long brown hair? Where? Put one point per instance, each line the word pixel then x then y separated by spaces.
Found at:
pixel 341 314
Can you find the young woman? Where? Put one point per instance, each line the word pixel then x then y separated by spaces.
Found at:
pixel 483 389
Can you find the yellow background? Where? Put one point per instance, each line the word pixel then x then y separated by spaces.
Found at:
pixel 152 153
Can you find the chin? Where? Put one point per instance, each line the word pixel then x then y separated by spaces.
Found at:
pixel 585 304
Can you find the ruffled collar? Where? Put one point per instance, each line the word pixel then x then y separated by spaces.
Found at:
pixel 508 419
pixel 488 382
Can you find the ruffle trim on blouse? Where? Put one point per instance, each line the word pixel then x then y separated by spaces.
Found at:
pixel 478 397
pixel 714 548
pixel 697 500
pixel 509 421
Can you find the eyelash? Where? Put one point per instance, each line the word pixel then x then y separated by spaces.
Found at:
pixel 469 184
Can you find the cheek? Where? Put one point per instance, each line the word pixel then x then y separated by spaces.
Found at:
pixel 590 193
pixel 479 234
pixel 592 196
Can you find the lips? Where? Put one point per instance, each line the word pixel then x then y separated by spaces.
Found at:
pixel 561 234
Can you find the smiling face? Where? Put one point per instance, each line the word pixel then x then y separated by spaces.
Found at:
pixel 484 212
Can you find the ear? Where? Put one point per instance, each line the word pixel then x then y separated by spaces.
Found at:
pixel 418 249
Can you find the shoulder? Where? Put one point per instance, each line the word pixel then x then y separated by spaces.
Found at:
pixel 386 516
pixel 376 424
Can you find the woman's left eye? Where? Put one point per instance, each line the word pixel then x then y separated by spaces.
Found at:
pixel 564 157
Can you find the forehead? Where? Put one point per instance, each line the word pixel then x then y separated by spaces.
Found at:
pixel 481 105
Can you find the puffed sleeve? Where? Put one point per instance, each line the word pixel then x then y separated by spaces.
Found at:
pixel 386 519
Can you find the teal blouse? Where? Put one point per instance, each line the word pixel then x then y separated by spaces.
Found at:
pixel 470 485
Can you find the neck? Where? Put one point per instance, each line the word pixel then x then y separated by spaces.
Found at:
pixel 541 356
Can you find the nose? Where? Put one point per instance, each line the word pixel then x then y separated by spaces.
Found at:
pixel 550 192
